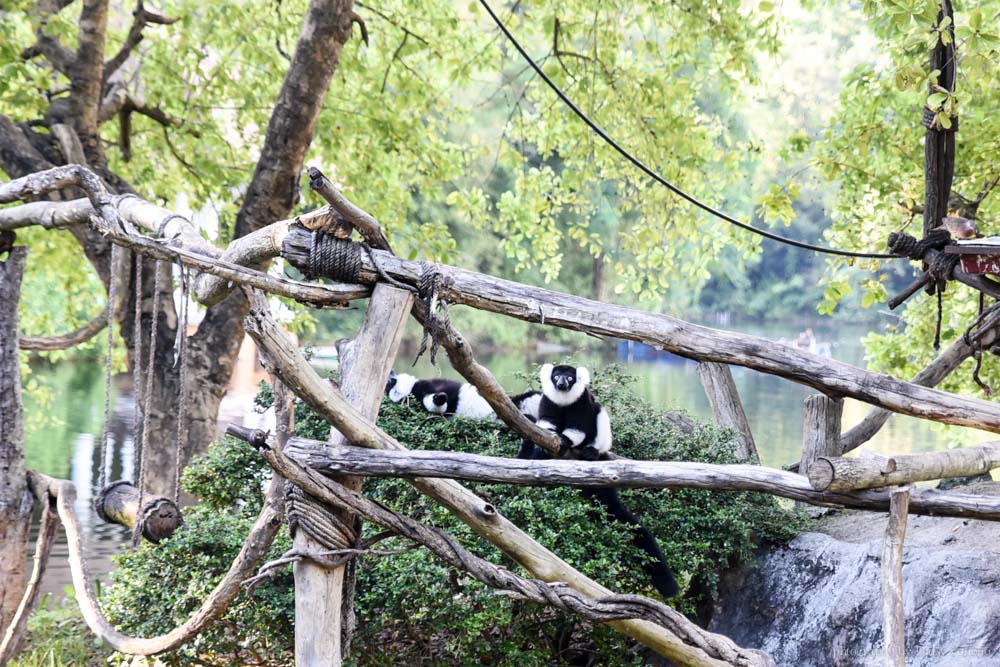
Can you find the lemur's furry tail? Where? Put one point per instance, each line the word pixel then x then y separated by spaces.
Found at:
pixel 658 569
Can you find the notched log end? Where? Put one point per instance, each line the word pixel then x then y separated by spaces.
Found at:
pixel 254 436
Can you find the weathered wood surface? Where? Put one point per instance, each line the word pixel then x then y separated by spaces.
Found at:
pixel 119 503
pixel 62 494
pixel 320 604
pixel 727 408
pixel 625 473
pixel 892 579
pixel 820 429
pixel 15 500
pixel 694 647
pixel 843 473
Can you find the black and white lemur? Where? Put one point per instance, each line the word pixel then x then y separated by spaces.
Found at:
pixel 448 397
pixel 584 426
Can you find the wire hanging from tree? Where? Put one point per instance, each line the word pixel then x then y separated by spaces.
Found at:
pixel 654 174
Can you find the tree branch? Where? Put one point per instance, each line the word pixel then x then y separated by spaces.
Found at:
pixel 66 341
pixel 141 17
pixel 63 494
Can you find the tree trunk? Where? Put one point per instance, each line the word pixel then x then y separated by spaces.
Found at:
pixel 270 196
pixel 727 408
pixel 15 499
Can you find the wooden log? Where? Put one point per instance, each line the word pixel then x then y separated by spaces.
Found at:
pixel 844 473
pixel 627 473
pixel 727 408
pixel 118 502
pixel 820 429
pixel 892 579
pixel 832 377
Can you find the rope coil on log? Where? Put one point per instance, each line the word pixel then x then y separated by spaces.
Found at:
pixel 311 515
pixel 336 258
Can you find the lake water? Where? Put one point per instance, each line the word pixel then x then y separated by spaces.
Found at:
pixel 62 435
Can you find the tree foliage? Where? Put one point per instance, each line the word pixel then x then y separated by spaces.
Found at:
pixel 873 148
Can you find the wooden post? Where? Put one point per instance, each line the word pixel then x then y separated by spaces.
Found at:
pixel 892 578
pixel 821 429
pixel 727 408
pixel 837 473
pixel 319 593
pixel 15 500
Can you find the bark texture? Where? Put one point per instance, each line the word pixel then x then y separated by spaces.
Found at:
pixel 15 500
pixel 727 407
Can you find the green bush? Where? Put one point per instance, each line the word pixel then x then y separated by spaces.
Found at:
pixel 412 606
pixel 58 636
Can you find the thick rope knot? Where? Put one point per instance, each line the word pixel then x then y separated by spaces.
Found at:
pixel 941 267
pixel 431 282
pixel 928 122
pixel 905 245
pixel 335 258
pixel 316 519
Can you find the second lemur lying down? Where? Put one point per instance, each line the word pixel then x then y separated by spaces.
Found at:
pixel 584 427
pixel 448 397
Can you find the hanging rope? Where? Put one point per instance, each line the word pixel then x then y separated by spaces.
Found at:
pixel 106 432
pixel 973 337
pixel 431 281
pixel 939 268
pixel 656 176
pixel 147 402
pixel 137 356
pixel 181 441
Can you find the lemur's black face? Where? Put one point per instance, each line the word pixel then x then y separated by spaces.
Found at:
pixel 563 377
pixel 391 382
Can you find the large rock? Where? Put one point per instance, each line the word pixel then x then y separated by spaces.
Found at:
pixel 818 601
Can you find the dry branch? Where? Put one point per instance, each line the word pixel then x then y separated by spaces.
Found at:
pixel 696 647
pixel 365 223
pixel 839 473
pixel 259 539
pixel 625 473
pixel 892 579
pixel 720 388
pixel 603 609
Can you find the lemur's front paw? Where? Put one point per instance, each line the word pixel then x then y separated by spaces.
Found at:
pixel 565 444
pixel 589 453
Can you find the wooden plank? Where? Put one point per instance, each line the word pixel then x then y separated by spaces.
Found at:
pixel 821 429
pixel 892 579
pixel 727 408
pixel 364 366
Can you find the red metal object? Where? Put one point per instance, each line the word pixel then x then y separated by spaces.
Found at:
pixel 977 258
